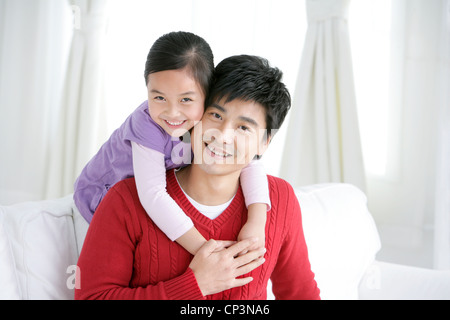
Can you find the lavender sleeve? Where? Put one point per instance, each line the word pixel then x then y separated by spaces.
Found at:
pixel 114 161
pixel 150 175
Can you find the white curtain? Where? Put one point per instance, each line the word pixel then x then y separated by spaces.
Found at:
pixel 410 199
pixel 442 195
pixel 33 45
pixel 82 126
pixel 323 141
pixel 51 94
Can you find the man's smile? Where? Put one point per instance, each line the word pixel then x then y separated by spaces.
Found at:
pixel 216 151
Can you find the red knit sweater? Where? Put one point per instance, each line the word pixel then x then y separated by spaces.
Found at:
pixel 125 256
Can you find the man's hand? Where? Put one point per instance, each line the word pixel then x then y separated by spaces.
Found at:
pixel 217 271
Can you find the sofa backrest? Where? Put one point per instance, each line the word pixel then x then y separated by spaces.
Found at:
pixel 341 236
pixel 39 250
pixel 40 243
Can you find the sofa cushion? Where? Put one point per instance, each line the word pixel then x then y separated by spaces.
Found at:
pixel 389 281
pixel 43 246
pixel 8 279
pixel 341 236
pixel 81 227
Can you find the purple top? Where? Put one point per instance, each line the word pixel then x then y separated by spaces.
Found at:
pixel 113 162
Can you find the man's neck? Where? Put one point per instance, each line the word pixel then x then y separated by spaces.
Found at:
pixel 207 189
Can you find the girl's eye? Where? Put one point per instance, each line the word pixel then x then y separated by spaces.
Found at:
pixel 186 100
pixel 159 98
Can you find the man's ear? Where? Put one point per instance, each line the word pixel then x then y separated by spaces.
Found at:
pixel 263 146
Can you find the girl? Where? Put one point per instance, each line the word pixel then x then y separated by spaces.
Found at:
pixel 178 74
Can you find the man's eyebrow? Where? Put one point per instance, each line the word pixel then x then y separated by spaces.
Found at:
pixel 220 108
pixel 249 120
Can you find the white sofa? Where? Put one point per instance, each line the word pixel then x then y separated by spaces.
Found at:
pixel 40 244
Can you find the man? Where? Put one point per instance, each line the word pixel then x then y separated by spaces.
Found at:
pixel 125 256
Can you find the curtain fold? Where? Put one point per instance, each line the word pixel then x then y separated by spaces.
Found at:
pixel 33 49
pixel 81 121
pixel 442 195
pixel 323 141
pixel 410 201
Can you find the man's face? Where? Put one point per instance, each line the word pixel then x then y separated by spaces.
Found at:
pixel 229 136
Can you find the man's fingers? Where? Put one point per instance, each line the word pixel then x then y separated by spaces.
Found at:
pixel 241 246
pixel 222 244
pixel 242 252
pixel 209 247
pixel 215 246
pixel 241 282
pixel 249 267
pixel 249 257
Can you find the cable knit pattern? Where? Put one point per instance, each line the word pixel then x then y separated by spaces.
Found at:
pixel 125 256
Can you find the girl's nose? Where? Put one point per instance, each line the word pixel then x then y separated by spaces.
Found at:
pixel 172 110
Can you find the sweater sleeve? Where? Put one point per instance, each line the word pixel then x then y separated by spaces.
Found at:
pixel 254 184
pixel 150 175
pixel 293 278
pixel 106 262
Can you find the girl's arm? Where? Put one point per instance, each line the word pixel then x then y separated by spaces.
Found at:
pixel 256 193
pixel 255 185
pixel 150 175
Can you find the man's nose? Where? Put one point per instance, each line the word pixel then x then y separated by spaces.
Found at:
pixel 225 135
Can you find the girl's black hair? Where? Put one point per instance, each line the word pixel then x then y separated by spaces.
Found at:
pixel 178 50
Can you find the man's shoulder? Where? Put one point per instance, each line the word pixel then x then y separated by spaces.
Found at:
pixel 278 185
pixel 126 188
pixel 124 195
pixel 285 207
pixel 282 194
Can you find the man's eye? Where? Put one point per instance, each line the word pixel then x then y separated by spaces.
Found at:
pixel 215 115
pixel 159 98
pixel 244 128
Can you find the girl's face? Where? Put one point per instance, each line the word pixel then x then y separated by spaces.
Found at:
pixel 175 101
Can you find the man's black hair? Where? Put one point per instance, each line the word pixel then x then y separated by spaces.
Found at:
pixel 251 78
